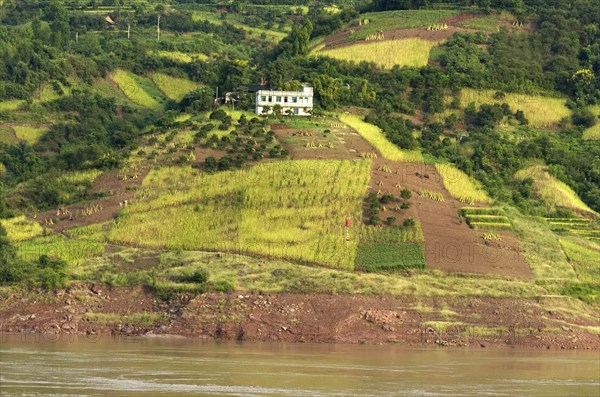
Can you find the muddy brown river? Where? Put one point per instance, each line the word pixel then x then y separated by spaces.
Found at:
pixel 41 365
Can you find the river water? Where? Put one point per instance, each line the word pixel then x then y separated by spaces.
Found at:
pixel 38 365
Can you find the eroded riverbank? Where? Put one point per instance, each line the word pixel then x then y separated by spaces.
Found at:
pixel 478 322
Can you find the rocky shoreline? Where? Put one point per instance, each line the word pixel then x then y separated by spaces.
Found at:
pixel 95 311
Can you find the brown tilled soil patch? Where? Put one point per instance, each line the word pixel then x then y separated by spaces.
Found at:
pixel 202 153
pixel 303 318
pixel 343 143
pixel 450 244
pixel 106 208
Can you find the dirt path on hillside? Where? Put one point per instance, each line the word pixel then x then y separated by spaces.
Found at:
pixel 472 322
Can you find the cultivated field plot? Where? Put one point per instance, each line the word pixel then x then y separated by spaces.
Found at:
pixel 541 111
pixel 460 186
pixel 375 137
pixel 28 134
pixel 592 133
pixel 174 88
pixel 488 23
pixel 11 104
pixel 486 218
pixel 390 248
pixel 585 260
pixel 73 251
pixel 7 135
pixel 21 228
pixel 386 54
pixel 286 209
pixel 270 35
pixel 50 91
pixel 553 192
pixel 581 227
pixel 405 19
pixel 311 142
pixel 380 257
pixel 182 57
pixel 139 90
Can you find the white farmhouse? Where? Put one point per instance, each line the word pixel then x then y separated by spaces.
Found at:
pixel 299 103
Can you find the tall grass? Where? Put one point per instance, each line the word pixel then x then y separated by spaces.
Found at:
pixel 460 186
pixel 174 88
pixel 387 53
pixel 541 111
pixel 553 192
pixel 289 209
pixel 28 134
pixel 21 228
pixel 375 137
pixel 138 89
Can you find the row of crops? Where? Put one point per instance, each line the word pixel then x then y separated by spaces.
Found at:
pixel 580 227
pixel 486 218
pixel 384 249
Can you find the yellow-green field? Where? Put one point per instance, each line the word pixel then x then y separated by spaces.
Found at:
pixel 11 104
pixel 287 209
pixel 593 133
pixel 375 137
pixel 553 192
pixel 174 88
pixel 584 258
pixel 460 186
pixel 46 93
pixel 542 112
pixel 273 36
pixel 21 228
pixel 7 135
pixel 74 251
pixel 387 53
pixel 139 90
pixel 29 134
pixel 182 57
pixel 488 23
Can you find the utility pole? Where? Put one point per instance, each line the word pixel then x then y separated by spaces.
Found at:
pixel 158 28
pixel 76 37
pixel 128 30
